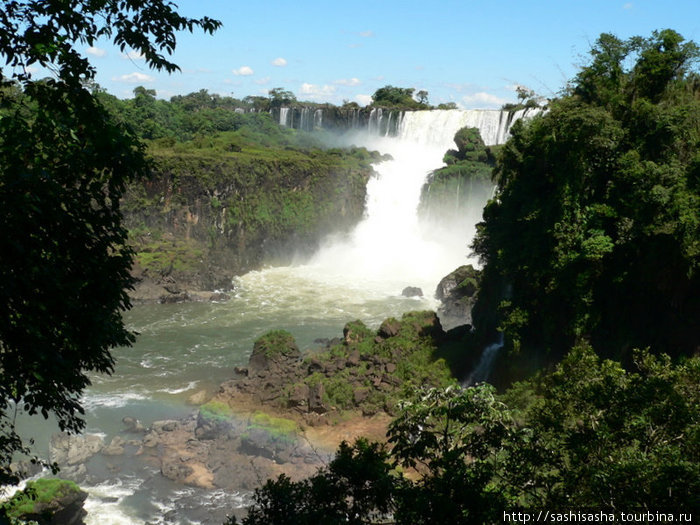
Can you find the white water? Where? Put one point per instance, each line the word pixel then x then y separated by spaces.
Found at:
pixel 391 248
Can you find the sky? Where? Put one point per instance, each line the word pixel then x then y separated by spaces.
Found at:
pixel 470 52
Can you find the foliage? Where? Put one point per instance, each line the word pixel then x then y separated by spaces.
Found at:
pixel 399 357
pixel 216 411
pixel 275 343
pixel 587 435
pixel 34 497
pixel 64 164
pixel 399 98
pixel 594 234
pixel 466 177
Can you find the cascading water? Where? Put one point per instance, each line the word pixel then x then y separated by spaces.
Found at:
pixel 283 116
pixel 392 248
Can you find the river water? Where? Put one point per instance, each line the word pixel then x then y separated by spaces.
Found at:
pixel 182 349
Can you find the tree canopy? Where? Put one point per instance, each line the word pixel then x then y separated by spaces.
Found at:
pixel 398 97
pixel 64 164
pixel 594 233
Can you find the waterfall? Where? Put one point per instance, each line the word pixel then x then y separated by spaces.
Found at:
pixel 283 116
pixel 483 368
pixel 439 126
pixel 392 247
pixel 318 118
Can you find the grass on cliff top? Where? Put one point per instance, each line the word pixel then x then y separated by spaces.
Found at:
pixel 43 490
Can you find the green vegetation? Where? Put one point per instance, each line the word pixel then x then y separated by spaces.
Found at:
pixel 64 166
pixel 400 98
pixel 275 343
pixel 372 371
pixel 215 411
pixel 278 427
pixel 235 197
pixel 466 178
pixel 594 235
pixel 588 435
pixel 35 501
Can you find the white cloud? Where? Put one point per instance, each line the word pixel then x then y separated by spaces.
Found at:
pixel 318 92
pixel 348 82
pixel 263 81
pixel 483 100
pixel 628 5
pixel 133 55
pixel 243 71
pixel 134 78
pixel 279 62
pixel 367 34
pixel 96 51
pixel 363 100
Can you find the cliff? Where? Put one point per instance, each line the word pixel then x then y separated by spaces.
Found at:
pixel 205 215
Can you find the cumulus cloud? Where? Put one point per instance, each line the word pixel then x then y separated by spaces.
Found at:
pixel 363 100
pixel 243 71
pixel 279 62
pixel 134 78
pixel 483 100
pixel 96 51
pixel 315 91
pixel 348 82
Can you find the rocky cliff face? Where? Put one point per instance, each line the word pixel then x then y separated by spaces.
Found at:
pixel 201 219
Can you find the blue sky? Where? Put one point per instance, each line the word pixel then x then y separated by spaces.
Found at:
pixel 470 52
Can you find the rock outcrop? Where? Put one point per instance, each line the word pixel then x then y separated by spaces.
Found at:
pixel 457 292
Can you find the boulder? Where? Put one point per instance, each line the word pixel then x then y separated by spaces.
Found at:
pixel 55 502
pixel 389 328
pixel 66 449
pixel 115 447
pixel 412 291
pixel 316 403
pixel 457 293
pixel 133 425
pixel 273 353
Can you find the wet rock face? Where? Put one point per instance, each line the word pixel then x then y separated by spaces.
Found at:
pixel 66 449
pixel 457 291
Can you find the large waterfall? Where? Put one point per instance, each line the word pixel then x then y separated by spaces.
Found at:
pixel 392 246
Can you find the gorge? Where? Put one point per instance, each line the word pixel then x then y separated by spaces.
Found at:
pixel 190 348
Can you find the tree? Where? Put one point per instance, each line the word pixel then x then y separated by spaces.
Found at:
pixel 281 97
pixel 594 234
pixel 422 97
pixel 64 164
pixel 391 96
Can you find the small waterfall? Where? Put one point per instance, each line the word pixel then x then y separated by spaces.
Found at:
pixel 283 116
pixel 305 123
pixel 483 368
pixel 318 118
